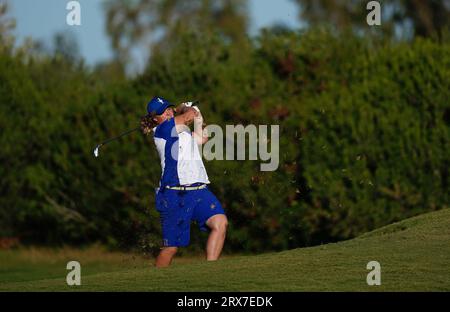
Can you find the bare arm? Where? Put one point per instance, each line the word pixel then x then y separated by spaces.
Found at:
pixel 183 120
pixel 190 115
pixel 200 134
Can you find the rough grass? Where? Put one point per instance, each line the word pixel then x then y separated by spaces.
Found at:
pixel 414 255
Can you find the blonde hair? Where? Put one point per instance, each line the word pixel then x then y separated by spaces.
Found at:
pixel 147 123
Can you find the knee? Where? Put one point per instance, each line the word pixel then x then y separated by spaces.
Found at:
pixel 220 224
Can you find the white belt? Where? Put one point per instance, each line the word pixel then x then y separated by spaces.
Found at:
pixel 186 188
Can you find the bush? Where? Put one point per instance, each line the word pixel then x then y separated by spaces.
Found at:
pixel 364 139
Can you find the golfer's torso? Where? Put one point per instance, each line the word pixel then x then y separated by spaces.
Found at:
pixel 190 166
pixel 181 162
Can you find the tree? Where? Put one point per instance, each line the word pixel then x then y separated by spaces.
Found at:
pixel 7 24
pixel 420 18
pixel 66 46
pixel 135 22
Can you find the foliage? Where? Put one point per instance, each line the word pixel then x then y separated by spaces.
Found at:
pixel 364 139
pixel 157 23
pixel 414 18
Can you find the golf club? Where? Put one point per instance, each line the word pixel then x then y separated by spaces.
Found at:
pixel 113 139
pixel 97 148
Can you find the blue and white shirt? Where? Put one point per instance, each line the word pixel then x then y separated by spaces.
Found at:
pixel 181 162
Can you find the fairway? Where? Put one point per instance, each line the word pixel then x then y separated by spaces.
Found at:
pixel 414 255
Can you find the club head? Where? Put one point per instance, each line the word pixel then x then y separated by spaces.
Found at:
pixel 96 150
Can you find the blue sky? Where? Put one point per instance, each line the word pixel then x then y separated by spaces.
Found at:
pixel 42 19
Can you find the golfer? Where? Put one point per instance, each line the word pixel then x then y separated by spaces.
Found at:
pixel 183 195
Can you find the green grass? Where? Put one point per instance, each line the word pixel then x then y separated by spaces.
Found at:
pixel 414 255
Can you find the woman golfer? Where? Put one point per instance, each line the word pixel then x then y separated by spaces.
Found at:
pixel 183 195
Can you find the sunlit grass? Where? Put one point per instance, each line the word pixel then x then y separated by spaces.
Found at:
pixel 414 256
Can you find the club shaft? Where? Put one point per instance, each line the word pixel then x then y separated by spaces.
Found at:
pixel 119 136
pixel 133 130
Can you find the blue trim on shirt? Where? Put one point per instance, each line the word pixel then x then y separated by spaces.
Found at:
pixel 167 131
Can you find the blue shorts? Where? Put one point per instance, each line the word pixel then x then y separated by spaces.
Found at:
pixel 178 208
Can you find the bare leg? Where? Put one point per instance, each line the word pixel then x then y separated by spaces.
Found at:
pixel 165 256
pixel 218 225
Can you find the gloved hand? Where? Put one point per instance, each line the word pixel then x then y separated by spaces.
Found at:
pixel 184 106
pixel 189 104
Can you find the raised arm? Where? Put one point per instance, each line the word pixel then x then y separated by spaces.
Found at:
pixel 186 117
pixel 200 134
pixel 190 115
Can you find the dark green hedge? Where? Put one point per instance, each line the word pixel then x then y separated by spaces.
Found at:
pixel 364 140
